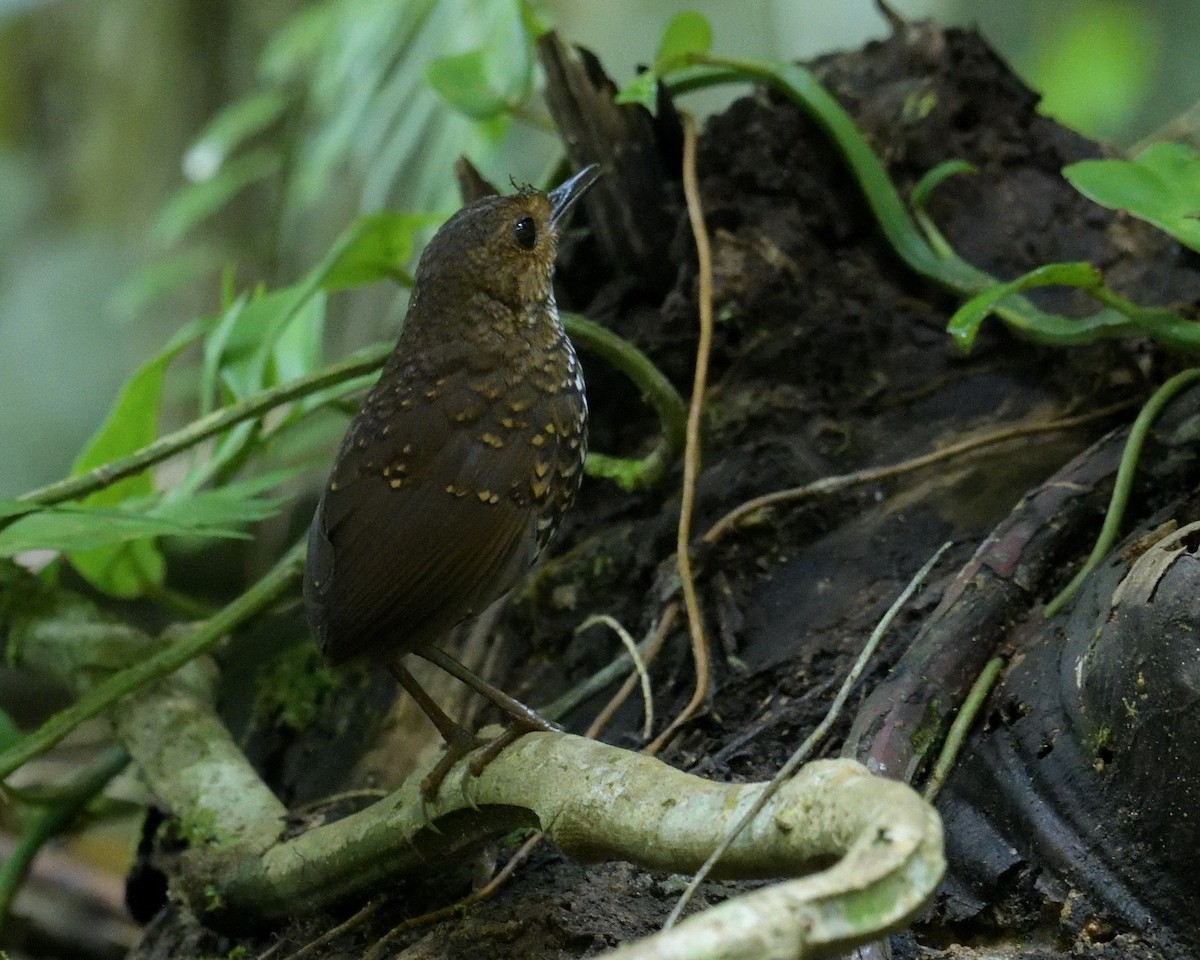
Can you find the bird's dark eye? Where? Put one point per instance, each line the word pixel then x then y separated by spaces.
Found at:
pixel 525 232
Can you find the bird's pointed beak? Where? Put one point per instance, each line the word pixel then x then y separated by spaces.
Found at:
pixel 563 197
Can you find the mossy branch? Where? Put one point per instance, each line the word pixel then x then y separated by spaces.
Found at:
pixel 599 803
pixel 67 637
pixel 596 802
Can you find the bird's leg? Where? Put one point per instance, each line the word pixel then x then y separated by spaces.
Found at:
pixel 525 719
pixel 459 742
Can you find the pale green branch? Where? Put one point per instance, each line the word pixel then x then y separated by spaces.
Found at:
pixel 599 803
pixel 67 637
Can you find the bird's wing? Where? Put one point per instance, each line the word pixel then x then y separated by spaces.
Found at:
pixel 416 530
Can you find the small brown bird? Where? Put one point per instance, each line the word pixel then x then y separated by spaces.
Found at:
pixel 464 456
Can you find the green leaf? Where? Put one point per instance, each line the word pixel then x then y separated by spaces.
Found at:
pixel 211 513
pixel 1160 186
pixel 93 531
pixel 686 34
pixel 964 325
pixel 239 352
pixel 214 347
pixel 229 129
pixel 229 448
pixel 379 247
pixel 124 570
pixel 461 80
pixel 301 307
pixel 199 200
pixel 254 345
pixel 133 421
pixel 299 348
pixel 223 508
pixel 641 89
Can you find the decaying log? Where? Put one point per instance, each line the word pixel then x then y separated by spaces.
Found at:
pixel 628 208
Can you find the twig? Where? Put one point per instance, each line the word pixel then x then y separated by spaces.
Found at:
pixel 649 650
pixel 324 803
pixel 1124 482
pixel 368 910
pixel 581 692
pixel 793 762
pixel 962 723
pixel 691 459
pixel 832 484
pixel 638 665
pixel 472 898
pixel 270 951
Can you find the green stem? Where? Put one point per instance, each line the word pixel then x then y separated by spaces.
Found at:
pixel 1124 482
pixel 280 579
pixel 365 362
pixel 962 724
pixel 49 821
pixel 656 388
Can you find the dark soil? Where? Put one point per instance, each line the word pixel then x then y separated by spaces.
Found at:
pixel 829 356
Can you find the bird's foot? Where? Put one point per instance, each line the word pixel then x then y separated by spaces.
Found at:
pixel 492 749
pixel 458 745
pixel 497 745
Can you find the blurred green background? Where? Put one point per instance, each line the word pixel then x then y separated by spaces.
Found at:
pixel 104 105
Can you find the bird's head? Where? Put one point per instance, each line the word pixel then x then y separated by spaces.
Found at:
pixel 501 246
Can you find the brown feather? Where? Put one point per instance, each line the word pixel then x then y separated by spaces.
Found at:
pixel 464 456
